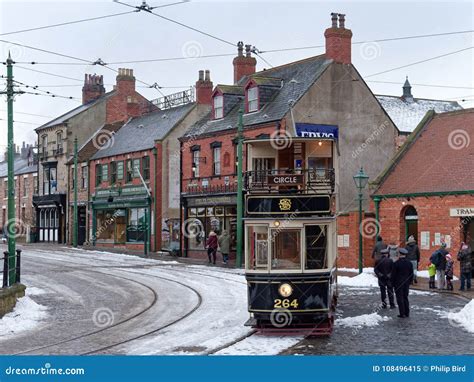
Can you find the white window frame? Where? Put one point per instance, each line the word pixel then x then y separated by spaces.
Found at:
pixel 252 99
pixel 218 107
pixel 216 156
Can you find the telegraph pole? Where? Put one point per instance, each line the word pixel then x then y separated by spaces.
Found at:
pixel 11 186
pixel 75 223
pixel 240 203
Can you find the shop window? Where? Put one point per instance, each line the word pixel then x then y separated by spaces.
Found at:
pixel 197 237
pixel 316 246
pixel 105 172
pixel 286 249
pixel 136 225
pixel 257 247
pixel 146 167
pixel 113 172
pixel 136 168
pixel 192 212
pixel 98 174
pixel 105 225
pixel 120 226
pixel 120 170
pixel 129 170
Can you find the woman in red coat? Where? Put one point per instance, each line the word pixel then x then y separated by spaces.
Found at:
pixel 212 245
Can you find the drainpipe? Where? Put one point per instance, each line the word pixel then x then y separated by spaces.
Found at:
pixel 377 200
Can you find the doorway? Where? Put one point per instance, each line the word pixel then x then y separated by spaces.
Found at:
pixel 411 223
pixel 81 234
pixel 468 236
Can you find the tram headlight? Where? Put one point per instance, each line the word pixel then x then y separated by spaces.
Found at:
pixel 285 290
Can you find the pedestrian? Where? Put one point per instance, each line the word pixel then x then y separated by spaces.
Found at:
pixel 212 247
pixel 449 272
pixel 413 255
pixel 383 270
pixel 432 274
pixel 378 247
pixel 402 276
pixel 438 258
pixel 464 257
pixel 224 245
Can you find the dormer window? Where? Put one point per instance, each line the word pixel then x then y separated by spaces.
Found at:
pixel 252 99
pixel 218 107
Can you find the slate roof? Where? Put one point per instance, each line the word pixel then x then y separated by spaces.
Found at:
pixel 231 89
pixel 72 113
pixel 437 157
pixel 140 133
pixel 304 73
pixel 407 114
pixel 20 167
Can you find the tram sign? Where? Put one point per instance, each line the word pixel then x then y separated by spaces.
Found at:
pixel 281 205
pixel 285 179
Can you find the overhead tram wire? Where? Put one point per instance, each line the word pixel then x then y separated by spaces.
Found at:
pixel 427 85
pixel 419 62
pixel 30 114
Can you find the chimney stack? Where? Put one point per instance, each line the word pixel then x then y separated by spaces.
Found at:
pixel 125 81
pixel 243 65
pixel 204 88
pixel 93 87
pixel 338 40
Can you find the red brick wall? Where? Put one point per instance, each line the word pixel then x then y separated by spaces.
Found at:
pixel 433 216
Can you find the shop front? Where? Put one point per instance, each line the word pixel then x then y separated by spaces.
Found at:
pixel 50 217
pixel 122 218
pixel 203 214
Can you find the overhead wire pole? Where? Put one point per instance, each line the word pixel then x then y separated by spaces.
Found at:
pixel 75 223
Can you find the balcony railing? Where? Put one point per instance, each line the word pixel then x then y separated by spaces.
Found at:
pixel 196 189
pixel 306 181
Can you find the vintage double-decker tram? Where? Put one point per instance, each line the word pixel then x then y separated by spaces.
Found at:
pixel 290 234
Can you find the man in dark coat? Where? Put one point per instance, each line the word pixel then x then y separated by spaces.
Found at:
pixel 402 277
pixel 438 258
pixel 383 270
pixel 464 257
pixel 379 246
pixel 413 255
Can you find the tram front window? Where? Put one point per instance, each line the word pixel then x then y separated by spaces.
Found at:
pixel 286 249
pixel 316 246
pixel 258 247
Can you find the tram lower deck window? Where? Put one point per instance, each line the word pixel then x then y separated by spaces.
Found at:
pixel 286 250
pixel 316 246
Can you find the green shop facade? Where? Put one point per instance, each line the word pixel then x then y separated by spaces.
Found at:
pixel 122 217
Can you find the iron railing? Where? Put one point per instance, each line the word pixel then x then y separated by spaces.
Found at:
pixel 307 181
pixel 196 189
pixel 7 270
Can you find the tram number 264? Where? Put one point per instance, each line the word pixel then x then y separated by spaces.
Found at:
pixel 285 303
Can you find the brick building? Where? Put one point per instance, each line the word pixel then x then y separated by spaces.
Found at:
pixel 144 150
pixel 25 175
pixel 56 145
pixel 428 190
pixel 309 98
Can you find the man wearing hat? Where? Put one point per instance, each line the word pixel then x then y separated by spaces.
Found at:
pixel 402 277
pixel 383 270
pixel 413 255
pixel 438 258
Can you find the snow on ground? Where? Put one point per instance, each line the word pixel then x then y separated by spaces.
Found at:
pixel 354 270
pixel 261 345
pixel 26 315
pixel 363 280
pixel 465 317
pixel 424 274
pixel 372 319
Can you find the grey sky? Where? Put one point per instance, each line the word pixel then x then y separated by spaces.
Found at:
pixel 266 25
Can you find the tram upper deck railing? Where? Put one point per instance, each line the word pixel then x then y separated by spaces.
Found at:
pixel 289 181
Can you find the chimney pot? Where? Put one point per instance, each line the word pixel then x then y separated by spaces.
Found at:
pixel 333 20
pixel 338 41
pixel 240 48
pixel 243 65
pixel 342 20
pixel 201 75
pixel 204 88
pixel 208 76
pixel 93 87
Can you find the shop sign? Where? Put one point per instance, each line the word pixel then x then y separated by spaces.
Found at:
pixel 133 190
pixel 285 180
pixel 278 205
pixel 212 201
pixel 312 130
pixel 461 212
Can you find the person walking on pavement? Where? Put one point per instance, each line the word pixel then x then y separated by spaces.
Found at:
pixel 438 258
pixel 224 245
pixel 212 247
pixel 432 274
pixel 383 270
pixel 402 276
pixel 464 257
pixel 449 272
pixel 413 255
pixel 378 247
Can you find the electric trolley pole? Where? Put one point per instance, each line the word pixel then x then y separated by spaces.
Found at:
pixel 240 204
pixel 75 223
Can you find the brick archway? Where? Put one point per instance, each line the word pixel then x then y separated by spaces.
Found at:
pixel 408 223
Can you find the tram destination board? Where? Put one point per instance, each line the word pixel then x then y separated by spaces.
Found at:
pixel 283 205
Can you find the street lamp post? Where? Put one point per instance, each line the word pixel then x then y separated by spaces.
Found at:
pixel 361 179
pixel 240 202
